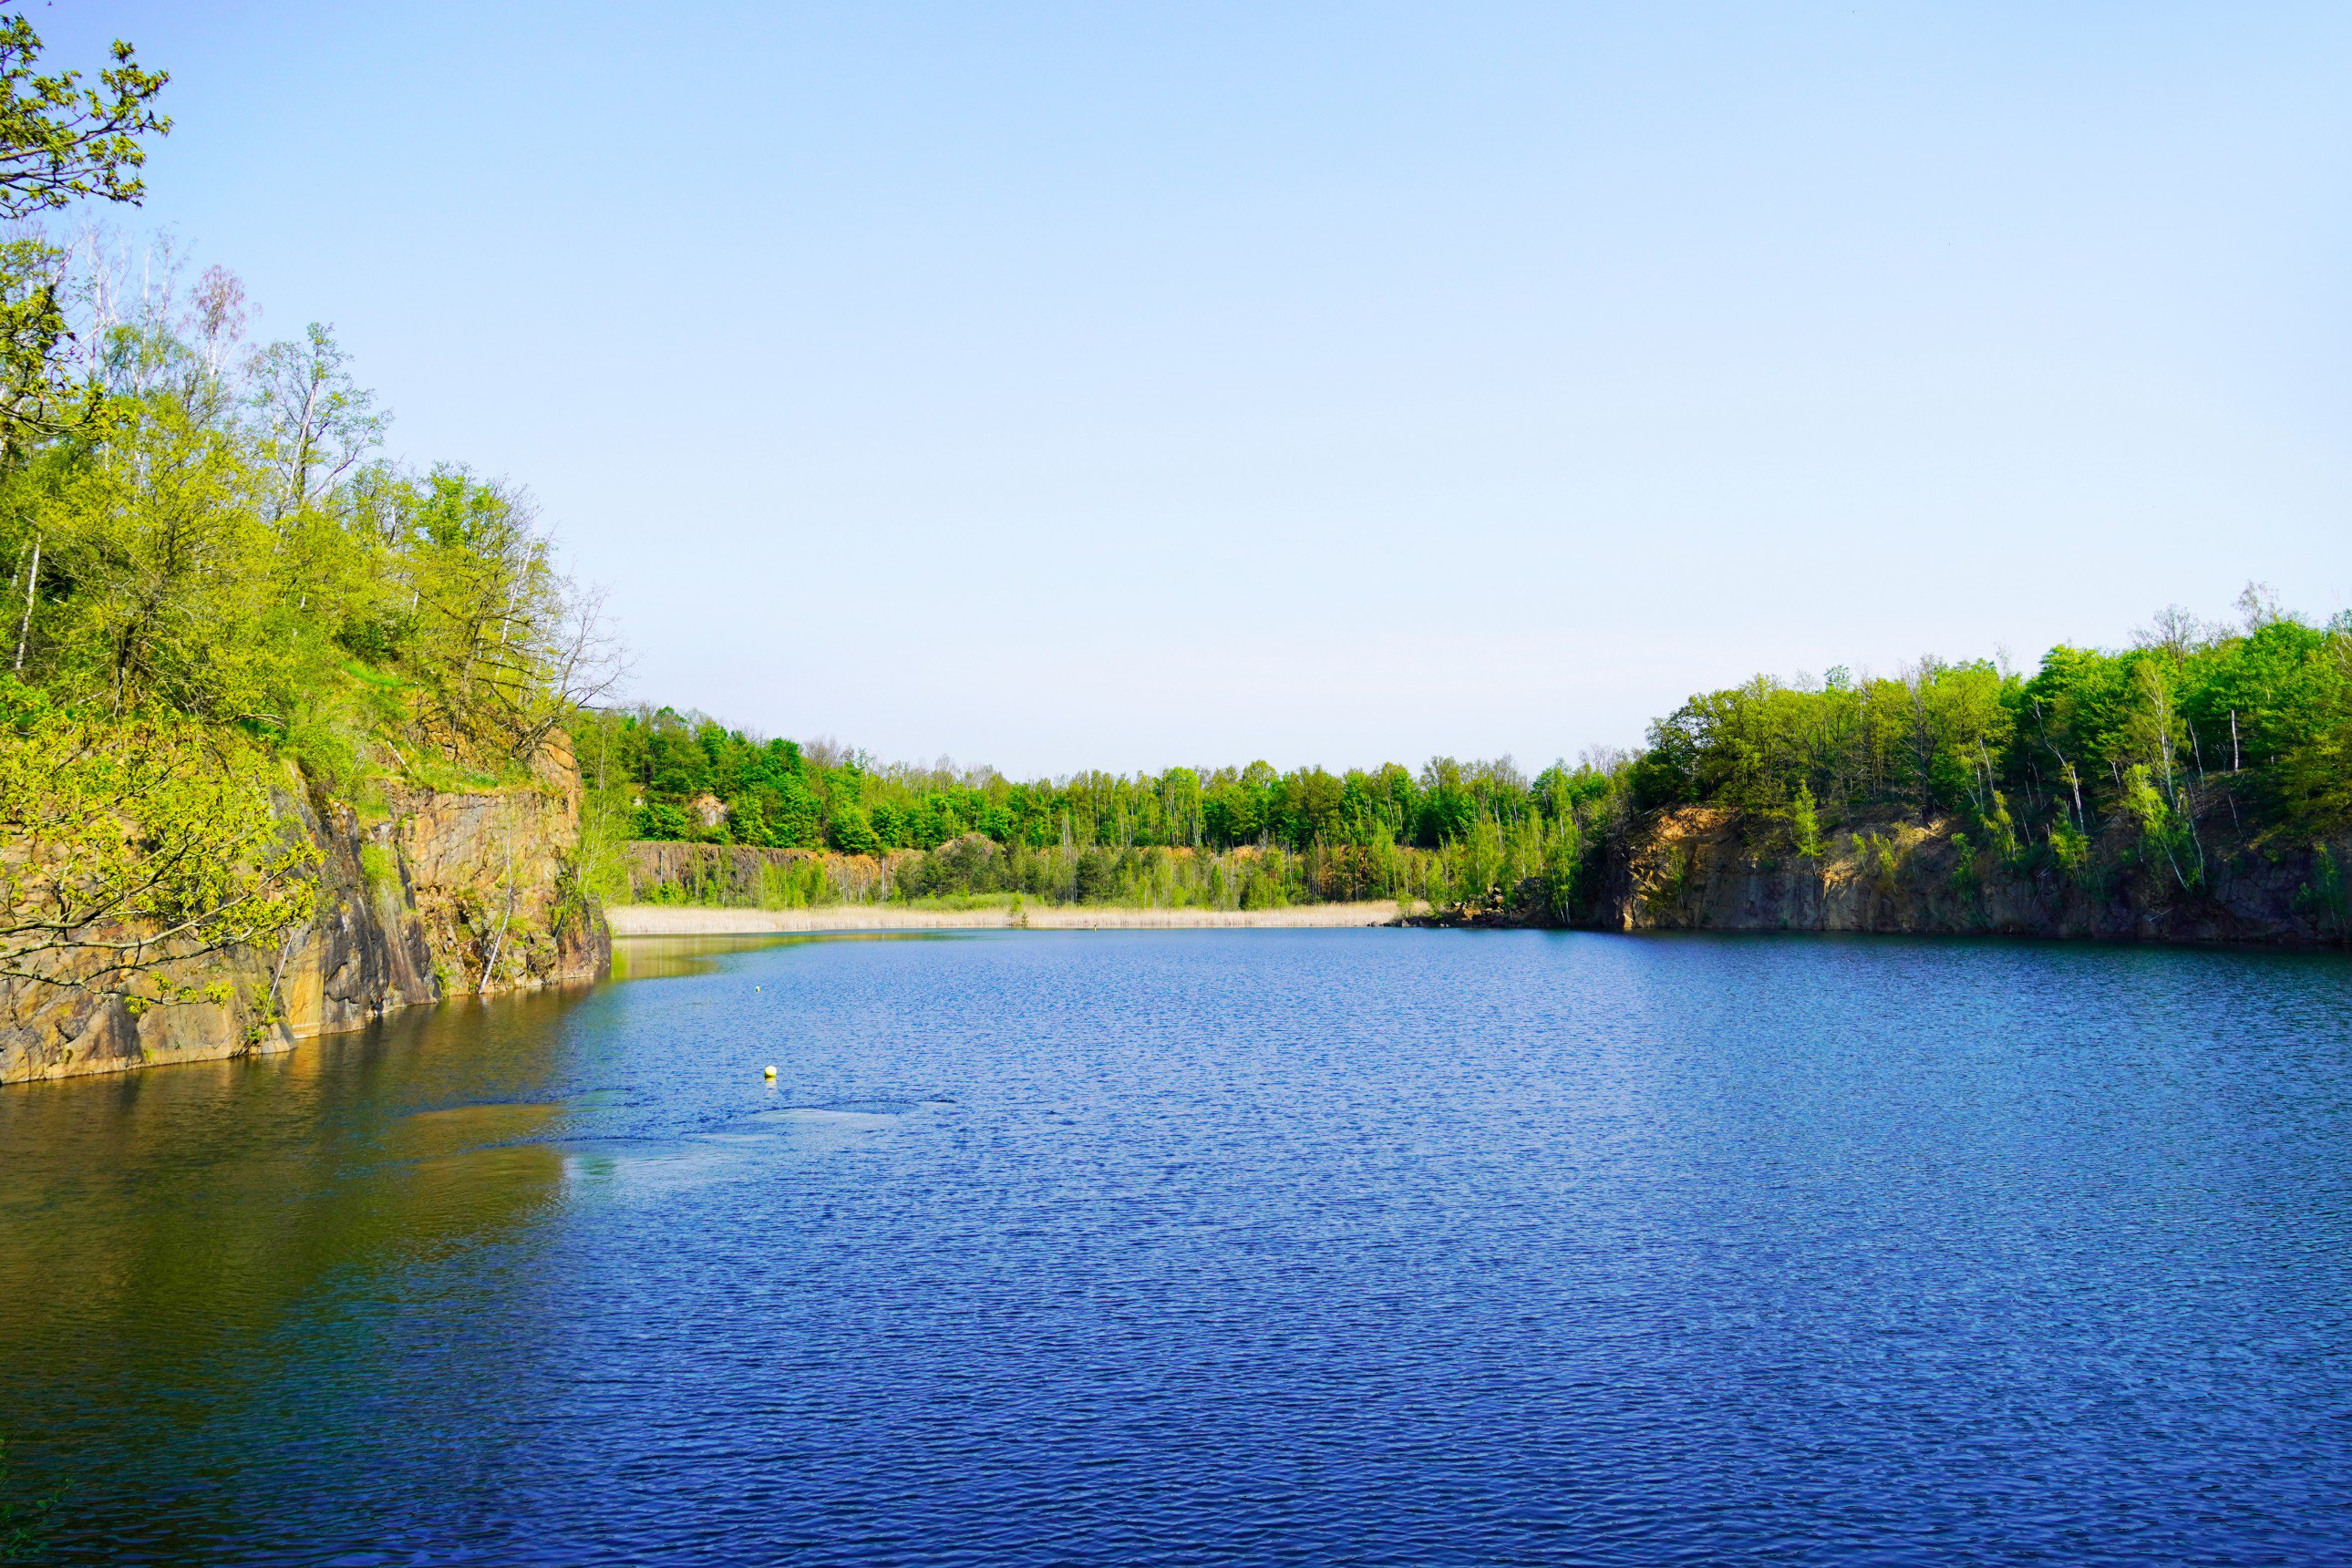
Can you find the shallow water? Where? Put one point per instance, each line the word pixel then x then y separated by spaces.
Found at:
pixel 1251 1247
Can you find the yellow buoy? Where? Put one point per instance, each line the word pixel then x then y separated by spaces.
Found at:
pixel 771 1070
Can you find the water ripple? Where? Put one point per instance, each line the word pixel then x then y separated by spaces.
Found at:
pixel 1194 1248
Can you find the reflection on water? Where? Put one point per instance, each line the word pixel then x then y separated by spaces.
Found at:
pixel 668 957
pixel 1218 1247
pixel 168 1235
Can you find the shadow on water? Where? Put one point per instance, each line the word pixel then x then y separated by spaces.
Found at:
pixel 162 1233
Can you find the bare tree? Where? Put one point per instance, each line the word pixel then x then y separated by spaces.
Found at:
pixel 319 422
pixel 2259 607
pixel 218 313
pixel 585 662
pixel 2175 631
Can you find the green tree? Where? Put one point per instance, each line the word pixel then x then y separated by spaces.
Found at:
pixel 851 833
pixel 1805 823
pixel 154 528
pixel 60 141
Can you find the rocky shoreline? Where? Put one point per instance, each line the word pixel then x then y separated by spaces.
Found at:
pixel 1699 868
pixel 446 893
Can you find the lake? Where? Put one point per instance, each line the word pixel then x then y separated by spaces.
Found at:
pixel 1382 1246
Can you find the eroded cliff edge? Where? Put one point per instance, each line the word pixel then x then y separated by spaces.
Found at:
pixel 437 893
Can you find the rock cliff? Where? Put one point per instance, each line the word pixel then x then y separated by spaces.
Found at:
pixel 1697 868
pixel 445 893
pixel 737 876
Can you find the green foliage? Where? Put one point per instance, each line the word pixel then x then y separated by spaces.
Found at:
pixel 2165 836
pixel 797 885
pixel 213 544
pixel 2133 755
pixel 60 141
pixel 1880 856
pixel 598 864
pixel 1225 838
pixel 671 767
pixel 33 400
pixel 2001 827
pixel 1805 823
pixel 126 842
pixel 2071 849
pixel 1670 889
pixel 1918 741
pixel 1564 869
pixel 380 870
pixel 1966 879
pixel 850 832
pixel 2194 726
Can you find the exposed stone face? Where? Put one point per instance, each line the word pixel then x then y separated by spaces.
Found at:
pixel 1699 868
pixel 454 892
pixel 734 875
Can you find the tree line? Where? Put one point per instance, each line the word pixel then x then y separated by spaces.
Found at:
pixel 1222 836
pixel 1225 837
pixel 689 777
pixel 2243 730
pixel 2197 733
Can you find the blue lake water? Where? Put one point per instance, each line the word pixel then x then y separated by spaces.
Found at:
pixel 1218 1247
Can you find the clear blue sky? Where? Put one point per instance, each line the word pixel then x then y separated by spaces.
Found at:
pixel 1126 385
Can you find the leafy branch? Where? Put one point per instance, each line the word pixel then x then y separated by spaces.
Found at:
pixel 128 846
